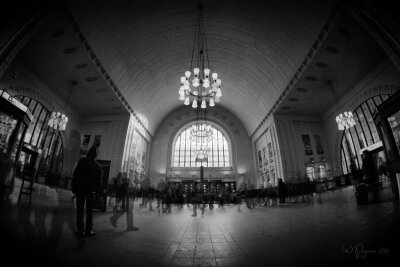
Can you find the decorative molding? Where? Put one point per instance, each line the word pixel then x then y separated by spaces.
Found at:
pixel 315 47
pixel 381 26
pixel 101 68
pixel 178 118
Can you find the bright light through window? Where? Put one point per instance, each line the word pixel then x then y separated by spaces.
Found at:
pixel 184 155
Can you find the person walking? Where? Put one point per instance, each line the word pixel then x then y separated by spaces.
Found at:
pixel 281 191
pixel 86 181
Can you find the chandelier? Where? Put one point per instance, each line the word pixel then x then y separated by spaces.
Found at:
pixel 201 148
pixel 344 120
pixel 58 120
pixel 201 136
pixel 201 131
pixel 201 88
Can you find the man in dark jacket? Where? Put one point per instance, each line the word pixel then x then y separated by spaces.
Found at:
pixel 85 182
pixel 281 190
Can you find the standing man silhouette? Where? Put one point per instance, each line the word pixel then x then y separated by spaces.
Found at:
pixel 85 182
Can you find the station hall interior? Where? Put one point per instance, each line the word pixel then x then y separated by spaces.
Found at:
pixel 248 133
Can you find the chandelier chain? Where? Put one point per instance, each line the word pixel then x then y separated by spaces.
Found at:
pixel 203 87
pixel 345 120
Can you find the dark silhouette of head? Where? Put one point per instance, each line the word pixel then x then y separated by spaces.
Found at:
pixel 92 153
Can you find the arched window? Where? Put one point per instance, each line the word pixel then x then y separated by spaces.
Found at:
pixel 40 135
pixel 362 135
pixel 183 154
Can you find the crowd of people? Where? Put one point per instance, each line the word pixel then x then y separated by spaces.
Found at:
pixel 167 194
pixel 87 181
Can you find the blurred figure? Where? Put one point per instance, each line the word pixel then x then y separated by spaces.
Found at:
pixel 168 198
pixel 129 216
pixel 145 186
pixel 121 191
pixel 194 200
pixel 371 174
pixel 281 191
pixel 238 199
pixel 161 186
pixel 248 192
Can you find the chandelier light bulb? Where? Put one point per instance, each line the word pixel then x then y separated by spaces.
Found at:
pixel 187 101
pixel 187 74
pixel 206 83
pixel 212 103
pixel 206 73
pixel 219 93
pixel 196 72
pixel 214 76
pixel 64 123
pixel 194 104
pixel 182 97
pixel 196 82
pixel 203 104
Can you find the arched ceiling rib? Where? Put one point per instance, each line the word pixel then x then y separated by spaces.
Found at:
pixel 255 46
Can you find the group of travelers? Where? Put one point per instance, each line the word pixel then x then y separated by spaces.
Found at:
pixel 168 194
pixel 87 181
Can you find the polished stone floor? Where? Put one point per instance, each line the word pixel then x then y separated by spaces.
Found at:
pixel 298 233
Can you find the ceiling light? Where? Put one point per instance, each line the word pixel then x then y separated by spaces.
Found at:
pixel 197 89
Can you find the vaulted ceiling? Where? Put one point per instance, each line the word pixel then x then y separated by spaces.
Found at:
pixel 145 47
pixel 254 46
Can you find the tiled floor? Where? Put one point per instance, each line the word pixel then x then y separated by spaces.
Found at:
pixel 336 231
